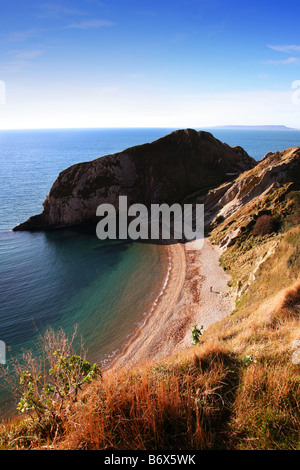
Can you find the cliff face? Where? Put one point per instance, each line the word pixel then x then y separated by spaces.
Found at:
pixel 276 172
pixel 166 171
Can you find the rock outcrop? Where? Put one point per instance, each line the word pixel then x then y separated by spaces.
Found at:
pixel 273 171
pixel 169 170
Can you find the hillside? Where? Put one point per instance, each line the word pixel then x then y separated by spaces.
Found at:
pixel 238 387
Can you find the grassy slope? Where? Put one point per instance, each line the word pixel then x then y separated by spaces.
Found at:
pixel 237 389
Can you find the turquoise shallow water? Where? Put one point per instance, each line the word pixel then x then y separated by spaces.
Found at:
pixel 65 278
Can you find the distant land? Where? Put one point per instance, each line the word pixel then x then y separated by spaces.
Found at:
pixel 262 128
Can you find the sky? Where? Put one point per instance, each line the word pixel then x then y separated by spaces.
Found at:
pixel 142 63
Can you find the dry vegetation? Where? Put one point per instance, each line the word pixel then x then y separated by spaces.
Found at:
pixel 239 388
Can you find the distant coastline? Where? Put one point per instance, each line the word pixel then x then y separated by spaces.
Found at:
pixel 257 128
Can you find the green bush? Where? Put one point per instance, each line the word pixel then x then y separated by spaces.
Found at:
pixel 196 333
pixel 49 380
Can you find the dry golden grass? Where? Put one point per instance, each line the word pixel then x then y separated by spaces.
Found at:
pixel 176 404
pixel 266 411
pixel 238 389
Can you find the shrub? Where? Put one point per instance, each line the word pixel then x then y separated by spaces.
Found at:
pixel 265 225
pixel 196 333
pixel 48 382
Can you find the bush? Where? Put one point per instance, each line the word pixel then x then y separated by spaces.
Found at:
pixel 196 333
pixel 49 382
pixel 265 225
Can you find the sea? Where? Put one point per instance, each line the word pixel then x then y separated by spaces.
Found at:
pixel 65 279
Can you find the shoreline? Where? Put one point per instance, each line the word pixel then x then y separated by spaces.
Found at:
pixel 143 345
pixel 185 300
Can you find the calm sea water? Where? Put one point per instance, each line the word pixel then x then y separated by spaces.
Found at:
pixel 65 278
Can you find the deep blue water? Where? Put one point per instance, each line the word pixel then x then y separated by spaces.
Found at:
pixel 63 278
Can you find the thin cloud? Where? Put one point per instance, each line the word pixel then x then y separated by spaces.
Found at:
pixel 285 48
pixel 18 36
pixel 55 10
pixel 15 66
pixel 28 54
pixel 90 24
pixel 21 60
pixel 290 60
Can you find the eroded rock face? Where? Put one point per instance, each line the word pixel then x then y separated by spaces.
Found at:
pixel 273 170
pixel 165 171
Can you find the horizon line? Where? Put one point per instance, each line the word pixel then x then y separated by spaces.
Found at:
pixel 228 126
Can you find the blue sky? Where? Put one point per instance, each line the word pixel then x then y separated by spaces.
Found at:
pixel 129 63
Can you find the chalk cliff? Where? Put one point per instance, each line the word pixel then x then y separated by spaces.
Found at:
pixel 279 170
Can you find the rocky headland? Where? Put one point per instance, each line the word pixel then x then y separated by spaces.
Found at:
pixel 182 164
